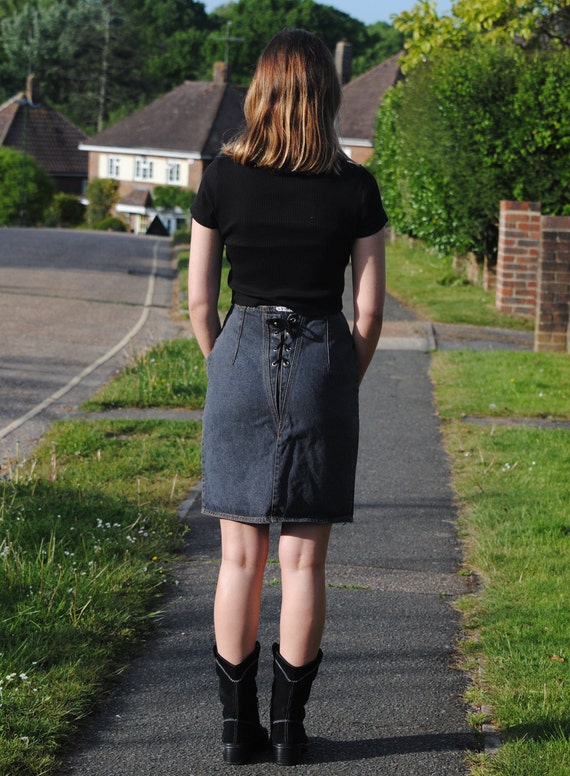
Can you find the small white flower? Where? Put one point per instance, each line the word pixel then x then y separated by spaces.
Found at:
pixel 492 406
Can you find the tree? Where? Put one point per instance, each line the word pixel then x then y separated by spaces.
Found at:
pixel 172 34
pixel 103 194
pixel 256 21
pixel 468 129
pixel 170 197
pixel 538 21
pixel 25 189
pixel 86 55
pixel 382 41
pixel 65 210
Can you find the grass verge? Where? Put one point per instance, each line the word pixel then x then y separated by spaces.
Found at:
pixel 514 493
pixel 88 529
pixel 171 374
pixel 500 384
pixel 420 279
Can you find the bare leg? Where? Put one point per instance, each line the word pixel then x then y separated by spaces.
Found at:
pixel 302 556
pixel 238 594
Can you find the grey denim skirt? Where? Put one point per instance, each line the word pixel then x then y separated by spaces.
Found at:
pixel 280 429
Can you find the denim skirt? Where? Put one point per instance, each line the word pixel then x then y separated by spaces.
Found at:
pixel 280 429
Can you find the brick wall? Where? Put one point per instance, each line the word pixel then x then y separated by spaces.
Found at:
pixel 518 257
pixel 533 271
pixel 552 330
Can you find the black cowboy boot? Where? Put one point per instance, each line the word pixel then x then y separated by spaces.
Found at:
pixel 291 690
pixel 242 734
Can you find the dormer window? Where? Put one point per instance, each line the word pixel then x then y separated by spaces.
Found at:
pixel 143 169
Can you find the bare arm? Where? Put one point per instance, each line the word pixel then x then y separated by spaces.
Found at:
pixel 369 288
pixel 204 271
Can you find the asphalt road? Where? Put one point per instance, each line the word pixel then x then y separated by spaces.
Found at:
pixel 74 306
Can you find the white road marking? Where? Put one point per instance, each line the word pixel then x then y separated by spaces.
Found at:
pixel 93 366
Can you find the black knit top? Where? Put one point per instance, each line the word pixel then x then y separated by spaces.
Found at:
pixel 288 236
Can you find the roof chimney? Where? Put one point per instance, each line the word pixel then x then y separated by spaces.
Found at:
pixel 343 61
pixel 32 90
pixel 220 74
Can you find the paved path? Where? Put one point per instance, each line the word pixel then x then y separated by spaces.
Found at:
pixel 388 699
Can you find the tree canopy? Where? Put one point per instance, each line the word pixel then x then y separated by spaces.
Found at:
pixel 97 60
pixel 530 21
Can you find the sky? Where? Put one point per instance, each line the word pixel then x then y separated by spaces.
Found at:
pixel 367 11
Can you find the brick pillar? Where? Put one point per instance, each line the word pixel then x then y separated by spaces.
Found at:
pixel 518 256
pixel 552 331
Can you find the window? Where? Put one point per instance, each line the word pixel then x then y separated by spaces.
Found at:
pixel 173 172
pixel 114 167
pixel 143 169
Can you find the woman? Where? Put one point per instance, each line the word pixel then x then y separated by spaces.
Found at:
pixel 280 427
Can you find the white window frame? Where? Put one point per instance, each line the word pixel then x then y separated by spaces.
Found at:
pixel 114 167
pixel 144 168
pixel 173 171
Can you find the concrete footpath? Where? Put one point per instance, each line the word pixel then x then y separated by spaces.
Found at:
pixel 388 699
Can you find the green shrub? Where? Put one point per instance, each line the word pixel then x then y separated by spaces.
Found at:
pixel 468 129
pixel 169 197
pixel 181 237
pixel 26 190
pixel 111 224
pixel 102 194
pixel 65 210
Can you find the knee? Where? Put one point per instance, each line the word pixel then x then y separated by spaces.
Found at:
pixel 300 560
pixel 304 549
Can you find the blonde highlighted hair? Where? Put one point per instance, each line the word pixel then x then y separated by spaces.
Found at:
pixel 291 108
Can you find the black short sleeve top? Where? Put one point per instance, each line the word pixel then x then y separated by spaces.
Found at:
pixel 288 236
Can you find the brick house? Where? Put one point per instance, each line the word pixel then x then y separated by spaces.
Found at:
pixel 361 101
pixel 170 142
pixel 29 124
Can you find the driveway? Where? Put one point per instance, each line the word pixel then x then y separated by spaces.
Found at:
pixel 74 306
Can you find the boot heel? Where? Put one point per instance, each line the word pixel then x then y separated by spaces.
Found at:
pixel 288 754
pixel 237 754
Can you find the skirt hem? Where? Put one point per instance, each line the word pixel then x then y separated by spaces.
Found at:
pixel 275 519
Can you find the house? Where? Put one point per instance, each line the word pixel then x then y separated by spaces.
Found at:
pixel 362 98
pixel 29 124
pixel 170 142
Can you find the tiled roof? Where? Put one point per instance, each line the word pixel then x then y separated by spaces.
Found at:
pixel 47 135
pixel 138 197
pixel 193 118
pixel 362 98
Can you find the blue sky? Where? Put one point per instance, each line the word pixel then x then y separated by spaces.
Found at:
pixel 367 11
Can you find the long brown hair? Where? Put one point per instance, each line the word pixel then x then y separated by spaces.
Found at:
pixel 291 107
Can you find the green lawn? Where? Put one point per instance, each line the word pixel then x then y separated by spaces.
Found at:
pixel 421 279
pixel 514 495
pixel 88 532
